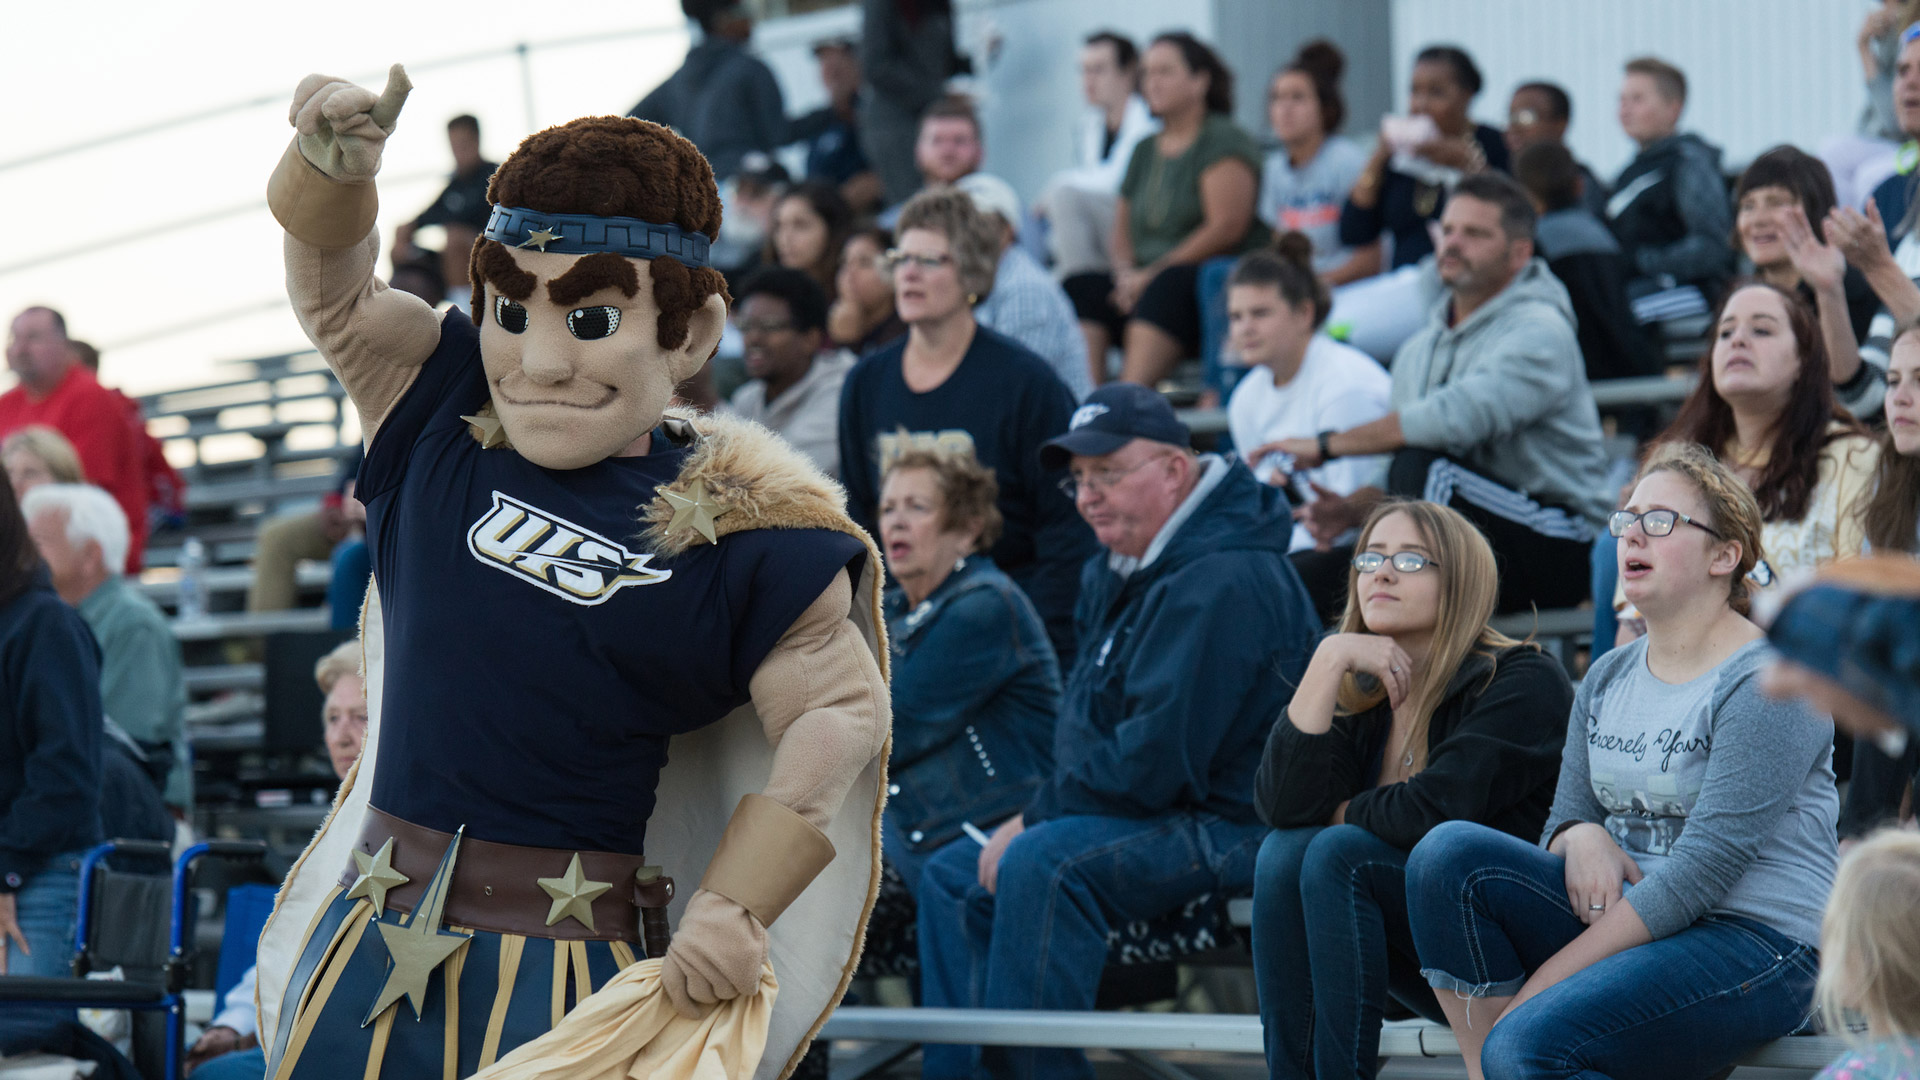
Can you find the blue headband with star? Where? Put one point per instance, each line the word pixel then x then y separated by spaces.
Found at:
pixel 585 234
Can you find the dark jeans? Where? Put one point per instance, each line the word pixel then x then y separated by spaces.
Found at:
pixel 1544 552
pixel 1331 942
pixel 1489 909
pixel 1041 941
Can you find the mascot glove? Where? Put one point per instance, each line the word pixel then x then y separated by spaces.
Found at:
pixel 716 955
pixel 342 127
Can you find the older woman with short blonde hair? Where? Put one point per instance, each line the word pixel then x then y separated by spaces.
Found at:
pixel 955 385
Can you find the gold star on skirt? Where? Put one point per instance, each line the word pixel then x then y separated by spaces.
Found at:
pixel 418 945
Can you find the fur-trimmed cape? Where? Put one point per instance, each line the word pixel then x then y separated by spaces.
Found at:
pixel 759 482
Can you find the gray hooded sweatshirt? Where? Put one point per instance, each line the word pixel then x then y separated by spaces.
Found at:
pixel 1505 393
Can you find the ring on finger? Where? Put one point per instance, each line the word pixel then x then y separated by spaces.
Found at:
pixel 1596 907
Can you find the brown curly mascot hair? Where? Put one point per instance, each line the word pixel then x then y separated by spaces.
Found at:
pixel 612 166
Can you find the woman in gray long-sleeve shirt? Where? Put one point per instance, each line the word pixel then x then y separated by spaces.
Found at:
pixel 1667 922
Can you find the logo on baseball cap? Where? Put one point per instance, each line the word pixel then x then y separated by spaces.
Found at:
pixel 1113 416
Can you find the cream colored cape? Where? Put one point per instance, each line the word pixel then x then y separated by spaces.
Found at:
pixel 816 944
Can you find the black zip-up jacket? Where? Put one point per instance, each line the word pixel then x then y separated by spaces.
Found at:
pixel 1493 757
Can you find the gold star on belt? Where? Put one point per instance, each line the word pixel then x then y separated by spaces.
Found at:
pixel 539 239
pixel 573 895
pixel 695 510
pixel 419 945
pixel 377 875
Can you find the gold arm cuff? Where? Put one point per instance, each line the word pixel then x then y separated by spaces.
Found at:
pixel 767 858
pixel 317 209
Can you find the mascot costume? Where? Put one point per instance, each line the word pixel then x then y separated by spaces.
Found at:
pixel 607 644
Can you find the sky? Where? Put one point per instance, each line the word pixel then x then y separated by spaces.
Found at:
pixel 157 246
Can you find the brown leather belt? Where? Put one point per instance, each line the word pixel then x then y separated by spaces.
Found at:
pixel 495 887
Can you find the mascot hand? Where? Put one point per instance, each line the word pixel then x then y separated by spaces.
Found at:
pixel 716 955
pixel 344 127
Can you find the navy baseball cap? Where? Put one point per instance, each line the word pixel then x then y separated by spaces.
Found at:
pixel 1112 417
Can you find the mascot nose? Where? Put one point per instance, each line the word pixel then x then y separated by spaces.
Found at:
pixel 546 364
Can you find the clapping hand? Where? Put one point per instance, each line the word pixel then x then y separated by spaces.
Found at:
pixel 1860 238
pixel 1820 265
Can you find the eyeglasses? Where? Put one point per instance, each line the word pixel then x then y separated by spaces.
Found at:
pixel 1523 117
pixel 893 259
pixel 1102 479
pixel 763 326
pixel 1406 562
pixel 1653 522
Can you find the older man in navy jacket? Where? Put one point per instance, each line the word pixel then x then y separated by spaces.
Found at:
pixel 1192 631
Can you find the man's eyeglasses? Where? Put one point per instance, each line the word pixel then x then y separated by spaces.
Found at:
pixel 1653 522
pixel 1406 562
pixel 1101 479
pixel 893 259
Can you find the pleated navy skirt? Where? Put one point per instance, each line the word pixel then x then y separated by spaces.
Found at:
pixel 495 993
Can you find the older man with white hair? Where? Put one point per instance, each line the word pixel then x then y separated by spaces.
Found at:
pixel 82 534
pixel 1026 303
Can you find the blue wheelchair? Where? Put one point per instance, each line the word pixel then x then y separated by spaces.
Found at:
pixel 135 913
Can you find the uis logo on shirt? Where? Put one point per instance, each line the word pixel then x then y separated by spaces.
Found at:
pixel 546 550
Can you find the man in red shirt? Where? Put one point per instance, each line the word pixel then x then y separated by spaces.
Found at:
pixel 56 391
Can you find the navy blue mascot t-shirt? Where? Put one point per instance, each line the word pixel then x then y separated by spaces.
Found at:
pixel 538 657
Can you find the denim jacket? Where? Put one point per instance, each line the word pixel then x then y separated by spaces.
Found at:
pixel 975 692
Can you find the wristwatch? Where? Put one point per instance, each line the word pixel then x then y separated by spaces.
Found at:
pixel 1326 446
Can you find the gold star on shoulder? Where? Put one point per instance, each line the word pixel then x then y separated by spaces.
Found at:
pixel 377 875
pixel 573 895
pixel 418 946
pixel 695 510
pixel 488 429
pixel 539 239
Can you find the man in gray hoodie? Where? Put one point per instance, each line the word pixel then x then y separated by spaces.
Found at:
pixel 1492 414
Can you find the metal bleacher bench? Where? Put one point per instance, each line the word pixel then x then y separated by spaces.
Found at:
pixel 1138 1036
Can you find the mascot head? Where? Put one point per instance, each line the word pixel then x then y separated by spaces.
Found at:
pixel 591 285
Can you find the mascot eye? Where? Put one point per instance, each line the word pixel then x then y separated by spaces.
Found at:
pixel 593 323
pixel 511 316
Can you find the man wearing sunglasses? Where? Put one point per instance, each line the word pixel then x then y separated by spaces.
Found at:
pixel 1193 628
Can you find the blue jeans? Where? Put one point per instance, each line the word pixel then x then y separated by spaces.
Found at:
pixel 1489 909
pixel 239 1065
pixel 1041 942
pixel 1606 575
pixel 46 908
pixel 1331 942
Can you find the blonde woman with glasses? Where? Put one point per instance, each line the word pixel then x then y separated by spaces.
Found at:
pixel 1666 922
pixel 1415 712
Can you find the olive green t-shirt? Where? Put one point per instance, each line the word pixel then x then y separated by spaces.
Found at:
pixel 1163 194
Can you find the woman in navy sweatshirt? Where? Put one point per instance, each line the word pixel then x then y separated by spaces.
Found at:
pixel 954 385
pixel 1414 713
pixel 50 730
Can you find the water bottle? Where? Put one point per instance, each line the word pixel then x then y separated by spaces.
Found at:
pixel 193 580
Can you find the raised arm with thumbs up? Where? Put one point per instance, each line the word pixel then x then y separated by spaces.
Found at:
pixel 322 193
